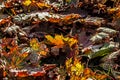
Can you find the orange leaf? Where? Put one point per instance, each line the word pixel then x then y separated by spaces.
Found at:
pixel 57 40
pixel 43 53
pixel 118 14
pixel 71 16
pixel 22 74
pixel 4 73
pixel 7 4
pixel 100 76
pixel 42 5
pixel 25 54
pixel 87 71
pixel 13 11
pixel 54 20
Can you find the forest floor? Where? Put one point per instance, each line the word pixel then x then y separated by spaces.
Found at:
pixel 59 39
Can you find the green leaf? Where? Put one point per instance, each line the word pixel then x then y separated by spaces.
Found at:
pixel 106 49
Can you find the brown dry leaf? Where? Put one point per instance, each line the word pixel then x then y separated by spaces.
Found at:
pixel 42 5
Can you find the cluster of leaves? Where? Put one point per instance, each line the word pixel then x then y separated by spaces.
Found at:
pixel 59 40
pixel 77 71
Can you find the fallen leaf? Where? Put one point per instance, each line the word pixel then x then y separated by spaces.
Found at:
pixel 27 2
pixel 34 43
pixel 22 74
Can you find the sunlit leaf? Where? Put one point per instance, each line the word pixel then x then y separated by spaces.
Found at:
pixel 112 10
pixel 68 19
pixel 34 43
pixel 22 74
pixel 57 40
pixel 24 55
pixel 72 41
pixel 27 2
pixel 68 62
pixel 54 20
pixel 43 53
pixel 75 68
pixel 66 39
pixel 78 66
pixel 83 78
pixel 42 5
pixel 50 38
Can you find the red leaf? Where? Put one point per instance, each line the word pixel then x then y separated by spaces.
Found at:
pixel 49 66
pixel 38 73
pixel 22 74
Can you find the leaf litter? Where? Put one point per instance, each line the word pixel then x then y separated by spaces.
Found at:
pixel 59 39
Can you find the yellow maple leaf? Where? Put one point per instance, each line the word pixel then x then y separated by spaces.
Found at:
pixel 79 67
pixel 60 41
pixel 72 41
pixel 27 2
pixel 76 68
pixel 49 38
pixel 68 63
pixel 65 39
pixel 57 40
pixel 34 43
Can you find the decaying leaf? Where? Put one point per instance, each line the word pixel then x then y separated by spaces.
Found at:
pixel 107 30
pixel 99 37
pixel 93 21
pixel 37 37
